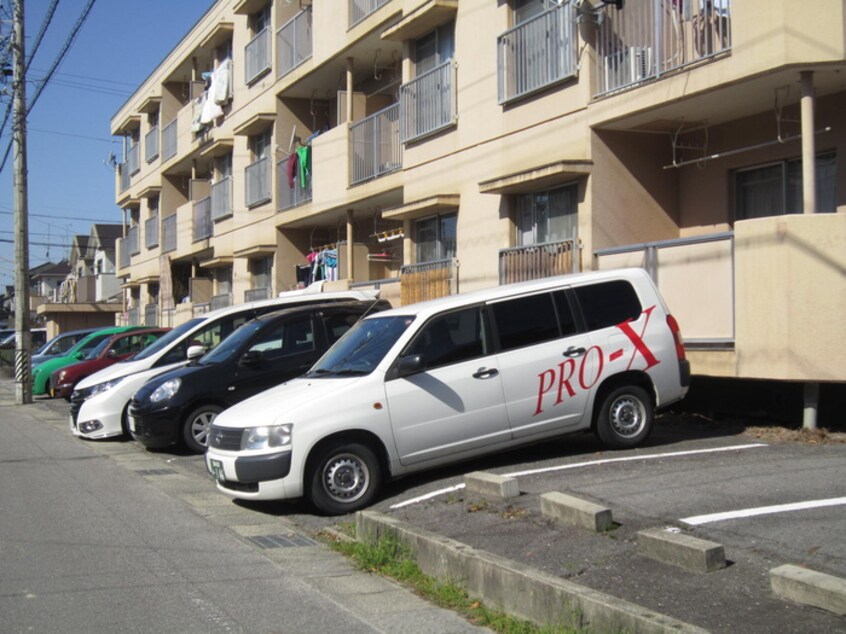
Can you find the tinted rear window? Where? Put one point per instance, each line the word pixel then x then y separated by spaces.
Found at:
pixel 524 321
pixel 608 303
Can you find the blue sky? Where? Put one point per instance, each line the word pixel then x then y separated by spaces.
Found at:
pixel 70 185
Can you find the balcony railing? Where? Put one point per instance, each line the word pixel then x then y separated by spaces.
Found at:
pixel 170 136
pixel 167 320
pixel 707 313
pixel 360 9
pixel 202 227
pixel 256 294
pixel 221 301
pixel 132 161
pixel 133 317
pixel 427 103
pixel 536 261
pixel 257 56
pixel 151 144
pixel 123 253
pixel 151 314
pixel 652 37
pixel 429 280
pixel 221 198
pixel 132 240
pixel 376 147
pixel 537 53
pixel 169 234
pixel 291 196
pixel 125 179
pixel 293 42
pixel 151 232
pixel 257 181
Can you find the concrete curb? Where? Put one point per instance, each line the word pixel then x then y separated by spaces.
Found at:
pixel 810 587
pixel 684 551
pixel 515 588
pixel 576 512
pixel 491 485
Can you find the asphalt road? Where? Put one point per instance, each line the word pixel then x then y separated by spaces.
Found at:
pixel 781 502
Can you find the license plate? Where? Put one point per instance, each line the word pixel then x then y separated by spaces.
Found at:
pixel 216 467
pixel 132 426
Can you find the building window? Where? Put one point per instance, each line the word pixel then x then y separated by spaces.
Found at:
pixel 434 48
pixel 435 238
pixel 776 189
pixel 527 9
pixel 260 272
pixel 548 216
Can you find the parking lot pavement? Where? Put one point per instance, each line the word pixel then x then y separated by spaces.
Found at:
pixel 690 468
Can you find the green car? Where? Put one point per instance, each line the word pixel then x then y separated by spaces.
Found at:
pixel 41 374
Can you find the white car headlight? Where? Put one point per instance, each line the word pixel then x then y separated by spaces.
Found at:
pixel 103 387
pixel 166 390
pixel 266 437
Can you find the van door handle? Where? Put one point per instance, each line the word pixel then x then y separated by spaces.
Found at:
pixel 574 352
pixel 484 373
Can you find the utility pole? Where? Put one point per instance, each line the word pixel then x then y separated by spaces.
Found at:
pixel 23 343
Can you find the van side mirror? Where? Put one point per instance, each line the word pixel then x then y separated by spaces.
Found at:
pixel 195 352
pixel 411 364
pixel 251 358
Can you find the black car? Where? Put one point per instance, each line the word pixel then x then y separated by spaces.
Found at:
pixel 180 405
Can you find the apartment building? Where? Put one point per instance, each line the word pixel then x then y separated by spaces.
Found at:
pixel 429 147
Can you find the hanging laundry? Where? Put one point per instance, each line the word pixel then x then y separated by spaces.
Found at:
pixel 304 154
pixel 197 113
pixel 292 169
pixel 221 83
pixel 211 110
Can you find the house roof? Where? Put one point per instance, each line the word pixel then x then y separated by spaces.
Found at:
pixel 50 269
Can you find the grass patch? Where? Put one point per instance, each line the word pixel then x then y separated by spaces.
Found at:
pixel 392 559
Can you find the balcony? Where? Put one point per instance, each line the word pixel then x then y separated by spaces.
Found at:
pixel 652 37
pixel 220 301
pixel 429 280
pixel 125 180
pixel 536 261
pixel 169 234
pixel 151 232
pixel 257 182
pixel 201 227
pixel 360 9
pixel 537 53
pixel 256 294
pixel 257 56
pixel 293 42
pixel 221 198
pixel 427 103
pixel 170 140
pixel 151 145
pixel 289 196
pixel 123 253
pixel 133 317
pixel 133 165
pixel 151 315
pixel 375 145
pixel 132 240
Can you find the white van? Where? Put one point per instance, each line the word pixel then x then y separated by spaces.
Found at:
pixel 441 381
pixel 99 402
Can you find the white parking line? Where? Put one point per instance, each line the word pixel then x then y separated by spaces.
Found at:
pixel 577 465
pixel 762 510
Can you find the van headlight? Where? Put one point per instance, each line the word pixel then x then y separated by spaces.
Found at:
pixel 165 391
pixel 266 437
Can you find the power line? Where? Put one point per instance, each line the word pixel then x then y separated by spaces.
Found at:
pixel 44 25
pixel 96 220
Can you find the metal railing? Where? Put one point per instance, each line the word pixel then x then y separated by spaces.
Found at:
pixel 257 182
pixel 256 294
pixel 257 55
pixel 652 37
pixel 170 137
pixel 201 227
pixel 375 145
pixel 151 314
pixel 536 261
pixel 221 198
pixel 167 318
pixel 123 253
pixel 151 232
pixel 125 180
pixel 132 161
pixel 221 301
pixel 151 144
pixel 360 9
pixel 293 42
pixel 537 53
pixel 427 103
pixel 200 308
pixel 291 196
pixel 169 234
pixel 428 280
pixel 133 317
pixel 132 240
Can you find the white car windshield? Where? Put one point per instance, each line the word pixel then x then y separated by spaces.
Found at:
pixel 362 348
pixel 165 341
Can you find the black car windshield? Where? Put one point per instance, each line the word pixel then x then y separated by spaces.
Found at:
pixel 362 348
pixel 169 338
pixel 232 343
pixel 93 354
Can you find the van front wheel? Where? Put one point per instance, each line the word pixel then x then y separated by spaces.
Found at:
pixel 346 477
pixel 625 417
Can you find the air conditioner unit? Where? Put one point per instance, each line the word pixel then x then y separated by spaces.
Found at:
pixel 640 63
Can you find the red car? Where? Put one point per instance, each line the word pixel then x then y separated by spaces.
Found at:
pixel 115 348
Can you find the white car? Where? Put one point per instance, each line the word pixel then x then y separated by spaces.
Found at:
pixel 99 402
pixel 441 381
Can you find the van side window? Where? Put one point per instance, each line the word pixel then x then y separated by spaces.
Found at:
pixel 451 338
pixel 209 337
pixel 608 303
pixel 337 325
pixel 524 321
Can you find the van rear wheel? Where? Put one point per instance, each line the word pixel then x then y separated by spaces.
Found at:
pixel 625 417
pixel 346 477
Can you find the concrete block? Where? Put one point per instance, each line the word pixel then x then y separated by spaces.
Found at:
pixel 491 485
pixel 691 553
pixel 810 587
pixel 576 512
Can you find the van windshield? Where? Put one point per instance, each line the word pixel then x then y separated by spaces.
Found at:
pixel 362 348
pixel 169 338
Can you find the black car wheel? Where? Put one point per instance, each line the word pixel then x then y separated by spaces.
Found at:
pixel 346 477
pixel 195 431
pixel 625 417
